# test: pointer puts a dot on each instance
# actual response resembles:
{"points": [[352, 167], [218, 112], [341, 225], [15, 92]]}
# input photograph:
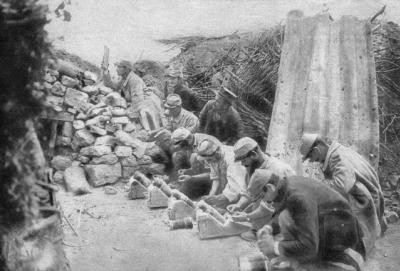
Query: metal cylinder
{"points": [[185, 223]]}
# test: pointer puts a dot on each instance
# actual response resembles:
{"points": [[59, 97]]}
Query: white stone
{"points": [[60, 162], [83, 138], [95, 150], [58, 89], [75, 180], [78, 124], [91, 90], [129, 161], [103, 174], [114, 99], [76, 98], [97, 130], [123, 151], [106, 140], [108, 159], [105, 90], [69, 82], [120, 120], [118, 111]]}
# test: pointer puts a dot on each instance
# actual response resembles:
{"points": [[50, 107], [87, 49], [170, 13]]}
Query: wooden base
{"points": [[157, 198], [138, 191], [210, 226], [179, 209]]}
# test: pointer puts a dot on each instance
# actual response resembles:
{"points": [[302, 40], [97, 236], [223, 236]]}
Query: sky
{"points": [[130, 27]]}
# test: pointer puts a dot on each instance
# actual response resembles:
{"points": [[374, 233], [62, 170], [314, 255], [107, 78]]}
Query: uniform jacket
{"points": [[185, 119], [226, 126], [349, 173], [323, 222]]}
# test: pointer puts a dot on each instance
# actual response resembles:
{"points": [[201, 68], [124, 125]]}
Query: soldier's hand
{"points": [[233, 208], [240, 217], [266, 241]]}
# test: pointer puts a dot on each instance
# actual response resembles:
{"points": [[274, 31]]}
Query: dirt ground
{"points": [[120, 234]]}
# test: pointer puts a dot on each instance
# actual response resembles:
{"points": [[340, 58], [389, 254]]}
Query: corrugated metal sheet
{"points": [[326, 85]]}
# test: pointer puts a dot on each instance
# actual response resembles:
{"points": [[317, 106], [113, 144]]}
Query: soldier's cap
{"points": [[207, 148], [306, 143], [226, 93], [179, 135], [242, 147], [173, 100], [259, 180], [124, 63]]}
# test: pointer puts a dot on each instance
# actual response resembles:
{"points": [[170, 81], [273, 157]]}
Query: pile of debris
{"points": [[96, 142]]}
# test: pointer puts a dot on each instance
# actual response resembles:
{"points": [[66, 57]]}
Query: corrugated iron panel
{"points": [[326, 85]]}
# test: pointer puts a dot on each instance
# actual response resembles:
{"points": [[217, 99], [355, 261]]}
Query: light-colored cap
{"points": [[307, 141], [207, 148], [259, 179], [173, 100], [243, 146], [124, 63], [179, 135]]}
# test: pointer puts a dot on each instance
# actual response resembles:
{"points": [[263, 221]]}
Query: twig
{"points": [[79, 216], [378, 13], [68, 245], [70, 225]]}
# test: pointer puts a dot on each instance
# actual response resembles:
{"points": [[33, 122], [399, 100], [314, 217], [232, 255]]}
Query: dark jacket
{"points": [[324, 225], [225, 125], [190, 100]]}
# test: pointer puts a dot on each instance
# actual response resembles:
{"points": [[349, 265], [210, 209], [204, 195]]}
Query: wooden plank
{"points": [[326, 85], [59, 116]]}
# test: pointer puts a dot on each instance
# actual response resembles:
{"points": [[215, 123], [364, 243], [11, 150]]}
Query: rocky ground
{"points": [[114, 233]]}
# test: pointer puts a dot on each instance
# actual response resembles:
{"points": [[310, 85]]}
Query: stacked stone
{"points": [[98, 135]]}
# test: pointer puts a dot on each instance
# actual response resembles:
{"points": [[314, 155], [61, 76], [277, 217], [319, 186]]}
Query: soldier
{"points": [[249, 153], [352, 175], [220, 119], [177, 116]]}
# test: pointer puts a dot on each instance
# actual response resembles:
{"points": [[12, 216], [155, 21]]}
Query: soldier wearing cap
{"points": [[319, 231], [177, 116], [227, 177], [175, 84], [131, 86], [220, 119], [249, 153], [352, 175], [195, 181]]}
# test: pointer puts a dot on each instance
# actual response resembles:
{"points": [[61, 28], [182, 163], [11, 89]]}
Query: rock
{"points": [[78, 124], [81, 116], [63, 141], [106, 140], [95, 150], [97, 109], [109, 190], [145, 160], [114, 99], [128, 172], [130, 127], [58, 177], [103, 174], [90, 76], [69, 82], [154, 168], [72, 110], [97, 121], [108, 159], [111, 127], [118, 111], [49, 78], [126, 139], [120, 120], [391, 217], [393, 180], [58, 89], [142, 135], [55, 101], [74, 156], [123, 151], [53, 72], [105, 90], [83, 159], [47, 86], [97, 130], [67, 129], [90, 90], [61, 162], [83, 138], [75, 180], [129, 162], [76, 99]]}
